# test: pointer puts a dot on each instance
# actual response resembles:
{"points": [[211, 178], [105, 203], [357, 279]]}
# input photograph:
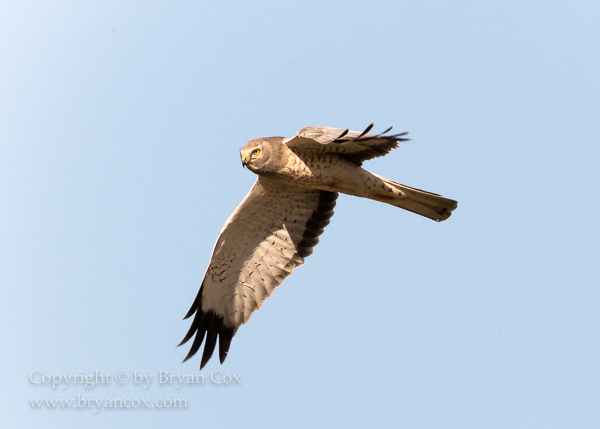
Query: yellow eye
{"points": [[255, 151]]}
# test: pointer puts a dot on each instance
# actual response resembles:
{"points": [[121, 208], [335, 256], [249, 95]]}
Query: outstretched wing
{"points": [[353, 145], [269, 234]]}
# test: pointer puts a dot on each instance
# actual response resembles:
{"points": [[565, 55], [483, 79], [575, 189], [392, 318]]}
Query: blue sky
{"points": [[120, 125]]}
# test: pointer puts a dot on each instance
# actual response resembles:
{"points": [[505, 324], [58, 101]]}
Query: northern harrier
{"points": [[280, 220]]}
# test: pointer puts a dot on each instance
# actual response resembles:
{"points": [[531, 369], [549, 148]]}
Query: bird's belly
{"points": [[353, 183], [328, 173]]}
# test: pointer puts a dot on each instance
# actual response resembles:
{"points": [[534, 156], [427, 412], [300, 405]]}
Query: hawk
{"points": [[279, 222]]}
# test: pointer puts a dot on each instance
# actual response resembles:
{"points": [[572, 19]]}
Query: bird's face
{"points": [[255, 155]]}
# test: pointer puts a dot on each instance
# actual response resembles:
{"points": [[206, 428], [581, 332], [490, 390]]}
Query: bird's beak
{"points": [[244, 160]]}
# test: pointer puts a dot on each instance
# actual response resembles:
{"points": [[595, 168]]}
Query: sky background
{"points": [[120, 126]]}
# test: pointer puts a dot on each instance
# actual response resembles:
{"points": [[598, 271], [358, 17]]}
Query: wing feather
{"points": [[353, 145], [270, 233]]}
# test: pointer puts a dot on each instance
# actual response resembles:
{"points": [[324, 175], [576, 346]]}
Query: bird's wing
{"points": [[353, 145], [268, 235]]}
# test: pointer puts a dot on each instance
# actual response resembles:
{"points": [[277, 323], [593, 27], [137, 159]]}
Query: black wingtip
{"points": [[211, 341], [196, 344], [225, 336], [210, 325], [387, 131], [365, 131], [346, 131], [195, 305], [194, 327], [187, 337], [405, 133]]}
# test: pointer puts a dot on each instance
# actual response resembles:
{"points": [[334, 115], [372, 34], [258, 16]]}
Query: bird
{"points": [[278, 223]]}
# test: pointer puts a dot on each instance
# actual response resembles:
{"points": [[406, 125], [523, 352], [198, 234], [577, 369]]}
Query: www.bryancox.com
{"points": [[95, 403]]}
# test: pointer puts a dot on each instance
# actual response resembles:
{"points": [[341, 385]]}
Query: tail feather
{"points": [[430, 205]]}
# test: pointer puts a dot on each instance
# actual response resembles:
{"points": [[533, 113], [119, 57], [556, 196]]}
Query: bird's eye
{"points": [[255, 151]]}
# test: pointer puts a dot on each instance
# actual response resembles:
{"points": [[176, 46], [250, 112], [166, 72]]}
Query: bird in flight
{"points": [[279, 222]]}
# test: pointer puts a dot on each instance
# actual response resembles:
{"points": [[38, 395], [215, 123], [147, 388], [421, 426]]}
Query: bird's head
{"points": [[260, 155]]}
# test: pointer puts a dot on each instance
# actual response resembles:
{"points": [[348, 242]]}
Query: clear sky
{"points": [[120, 125]]}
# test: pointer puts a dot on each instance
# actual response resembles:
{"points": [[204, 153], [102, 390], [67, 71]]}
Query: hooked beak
{"points": [[244, 160]]}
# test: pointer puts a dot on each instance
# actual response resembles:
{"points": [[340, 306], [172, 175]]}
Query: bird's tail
{"points": [[432, 206]]}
